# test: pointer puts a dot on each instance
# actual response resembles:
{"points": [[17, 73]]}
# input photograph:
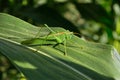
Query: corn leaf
{"points": [[84, 60]]}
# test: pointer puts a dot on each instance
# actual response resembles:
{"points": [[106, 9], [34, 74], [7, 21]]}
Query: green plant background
{"points": [[95, 20]]}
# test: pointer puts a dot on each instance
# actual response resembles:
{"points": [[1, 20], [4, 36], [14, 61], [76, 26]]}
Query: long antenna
{"points": [[49, 28]]}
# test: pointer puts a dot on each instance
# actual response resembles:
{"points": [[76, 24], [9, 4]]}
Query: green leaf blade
{"points": [[84, 60]]}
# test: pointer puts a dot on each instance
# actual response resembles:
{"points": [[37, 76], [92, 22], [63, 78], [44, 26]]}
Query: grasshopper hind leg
{"points": [[65, 53], [64, 44]]}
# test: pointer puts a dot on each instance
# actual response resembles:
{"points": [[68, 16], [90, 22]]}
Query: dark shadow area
{"points": [[49, 16]]}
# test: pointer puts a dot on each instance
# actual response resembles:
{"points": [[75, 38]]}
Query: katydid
{"points": [[56, 37]]}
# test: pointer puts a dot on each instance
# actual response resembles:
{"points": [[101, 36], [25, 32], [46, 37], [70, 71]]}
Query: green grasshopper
{"points": [[52, 38]]}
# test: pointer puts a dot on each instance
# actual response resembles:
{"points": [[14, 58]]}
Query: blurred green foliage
{"points": [[95, 20]]}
